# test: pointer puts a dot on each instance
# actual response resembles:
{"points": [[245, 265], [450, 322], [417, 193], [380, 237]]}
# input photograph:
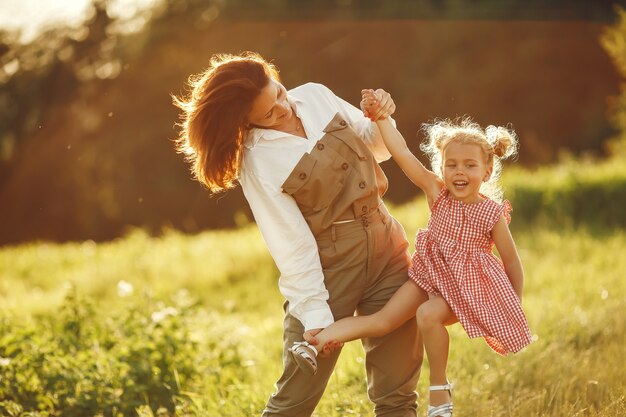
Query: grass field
{"points": [[202, 314]]}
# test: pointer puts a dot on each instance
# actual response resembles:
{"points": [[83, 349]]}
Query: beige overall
{"points": [[363, 251]]}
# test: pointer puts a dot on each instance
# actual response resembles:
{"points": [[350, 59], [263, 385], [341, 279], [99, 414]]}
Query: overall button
{"points": [[364, 209], [344, 166], [343, 123], [362, 184], [320, 146], [302, 176]]}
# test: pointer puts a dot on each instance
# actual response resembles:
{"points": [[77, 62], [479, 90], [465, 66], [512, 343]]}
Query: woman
{"points": [[308, 165]]}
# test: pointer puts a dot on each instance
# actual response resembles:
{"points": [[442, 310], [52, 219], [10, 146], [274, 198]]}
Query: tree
{"points": [[614, 42]]}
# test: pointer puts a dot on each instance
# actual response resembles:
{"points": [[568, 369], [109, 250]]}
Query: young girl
{"points": [[454, 274]]}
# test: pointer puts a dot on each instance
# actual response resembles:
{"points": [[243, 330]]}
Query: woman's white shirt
{"points": [[269, 157]]}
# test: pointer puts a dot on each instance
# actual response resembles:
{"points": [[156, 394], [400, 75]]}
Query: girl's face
{"points": [[270, 109], [464, 170]]}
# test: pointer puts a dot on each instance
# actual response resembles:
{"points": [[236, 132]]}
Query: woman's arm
{"points": [[293, 248], [508, 253]]}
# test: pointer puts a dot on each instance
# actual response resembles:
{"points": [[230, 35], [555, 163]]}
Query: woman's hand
{"points": [[309, 336], [377, 104], [329, 348]]}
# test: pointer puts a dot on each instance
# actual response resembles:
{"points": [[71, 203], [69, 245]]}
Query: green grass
{"points": [[223, 286], [35, 276]]}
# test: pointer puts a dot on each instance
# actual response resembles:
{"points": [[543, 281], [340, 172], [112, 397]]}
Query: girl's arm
{"points": [[425, 179], [508, 253]]}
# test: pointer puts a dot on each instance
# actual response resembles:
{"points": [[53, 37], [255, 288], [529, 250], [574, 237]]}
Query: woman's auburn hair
{"points": [[214, 115]]}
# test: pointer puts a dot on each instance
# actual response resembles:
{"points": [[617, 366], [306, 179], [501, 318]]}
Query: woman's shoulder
{"points": [[318, 102], [311, 91], [310, 87]]}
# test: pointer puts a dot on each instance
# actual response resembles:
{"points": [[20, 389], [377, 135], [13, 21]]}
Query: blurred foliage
{"points": [[614, 42], [573, 194], [420, 9], [69, 166], [86, 121]]}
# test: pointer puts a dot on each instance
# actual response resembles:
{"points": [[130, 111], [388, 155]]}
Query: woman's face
{"points": [[270, 109]]}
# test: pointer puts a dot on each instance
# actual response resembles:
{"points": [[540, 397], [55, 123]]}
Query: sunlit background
{"points": [[86, 121]]}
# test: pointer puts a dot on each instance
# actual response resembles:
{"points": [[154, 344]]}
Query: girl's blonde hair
{"points": [[496, 142]]}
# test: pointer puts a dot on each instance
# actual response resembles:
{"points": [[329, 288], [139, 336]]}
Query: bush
{"points": [[79, 363], [571, 194]]}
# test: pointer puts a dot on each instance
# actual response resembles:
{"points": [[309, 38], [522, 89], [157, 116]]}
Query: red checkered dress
{"points": [[454, 258]]}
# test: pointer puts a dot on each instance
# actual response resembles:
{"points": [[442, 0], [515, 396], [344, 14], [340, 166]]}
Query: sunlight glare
{"points": [[30, 17]]}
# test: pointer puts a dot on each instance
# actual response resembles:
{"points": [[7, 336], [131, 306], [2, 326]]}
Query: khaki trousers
{"points": [[365, 262]]}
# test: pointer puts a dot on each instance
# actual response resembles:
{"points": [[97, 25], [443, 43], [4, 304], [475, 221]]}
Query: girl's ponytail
{"points": [[503, 141]]}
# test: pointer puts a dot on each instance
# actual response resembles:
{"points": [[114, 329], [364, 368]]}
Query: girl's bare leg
{"points": [[432, 317], [400, 308]]}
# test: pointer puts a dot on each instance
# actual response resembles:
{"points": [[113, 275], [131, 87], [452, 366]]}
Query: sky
{"points": [[31, 16]]}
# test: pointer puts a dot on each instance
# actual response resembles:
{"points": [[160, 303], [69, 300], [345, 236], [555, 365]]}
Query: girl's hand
{"points": [[369, 102], [377, 105]]}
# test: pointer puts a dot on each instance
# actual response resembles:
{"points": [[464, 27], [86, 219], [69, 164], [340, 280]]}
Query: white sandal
{"points": [[443, 410], [305, 356]]}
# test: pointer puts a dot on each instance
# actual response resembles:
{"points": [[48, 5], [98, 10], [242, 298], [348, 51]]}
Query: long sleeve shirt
{"points": [[269, 157]]}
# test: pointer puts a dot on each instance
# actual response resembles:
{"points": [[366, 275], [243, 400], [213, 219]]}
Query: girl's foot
{"points": [[305, 356], [442, 410]]}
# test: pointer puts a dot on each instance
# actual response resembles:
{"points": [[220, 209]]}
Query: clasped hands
{"points": [[377, 105]]}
